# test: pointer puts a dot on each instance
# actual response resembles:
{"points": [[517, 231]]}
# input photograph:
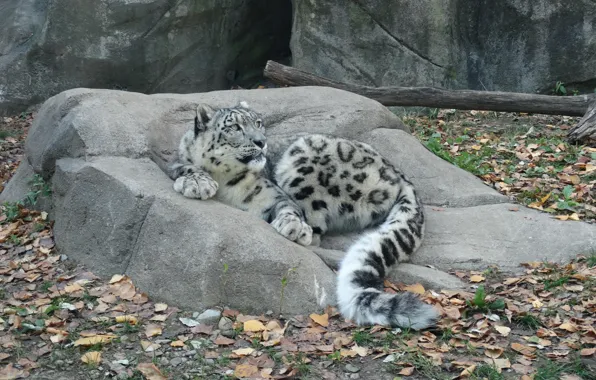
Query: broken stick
{"points": [[439, 98]]}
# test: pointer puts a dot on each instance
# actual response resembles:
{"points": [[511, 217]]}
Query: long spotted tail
{"points": [[360, 279]]}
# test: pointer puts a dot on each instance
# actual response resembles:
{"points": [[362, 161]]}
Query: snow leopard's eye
{"points": [[259, 124], [237, 127]]}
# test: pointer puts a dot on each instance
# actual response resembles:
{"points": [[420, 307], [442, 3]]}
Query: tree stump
{"points": [[586, 128]]}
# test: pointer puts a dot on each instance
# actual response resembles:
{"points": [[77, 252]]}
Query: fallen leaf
{"points": [[588, 351], [130, 319], [322, 320], [253, 325], [407, 371], [10, 373], [568, 327], [94, 339], [467, 372], [503, 330], [117, 278], [223, 341], [493, 352], [415, 288], [524, 350], [150, 371], [361, 351], [91, 357], [149, 346], [245, 371], [159, 307], [189, 322], [477, 278], [152, 330], [244, 351], [177, 343]]}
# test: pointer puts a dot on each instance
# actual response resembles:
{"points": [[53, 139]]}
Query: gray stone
{"points": [[437, 181], [139, 45], [511, 45], [116, 212], [177, 361], [225, 324], [209, 317], [351, 368]]}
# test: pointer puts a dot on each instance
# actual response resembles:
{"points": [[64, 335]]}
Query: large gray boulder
{"points": [[141, 45], [509, 45], [105, 152]]}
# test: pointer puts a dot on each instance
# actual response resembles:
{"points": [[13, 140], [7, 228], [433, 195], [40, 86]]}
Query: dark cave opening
{"points": [[273, 43]]}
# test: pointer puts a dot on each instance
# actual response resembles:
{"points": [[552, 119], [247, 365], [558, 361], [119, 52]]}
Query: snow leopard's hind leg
{"points": [[361, 273]]}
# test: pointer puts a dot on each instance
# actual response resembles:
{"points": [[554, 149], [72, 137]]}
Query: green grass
{"points": [[550, 370], [592, 260], [362, 338], [487, 372], [550, 283], [529, 321]]}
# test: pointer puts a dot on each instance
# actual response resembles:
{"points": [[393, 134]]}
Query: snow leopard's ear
{"points": [[243, 104], [203, 116]]}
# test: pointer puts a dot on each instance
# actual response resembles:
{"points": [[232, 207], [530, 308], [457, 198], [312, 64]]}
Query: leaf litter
{"points": [[517, 326]]}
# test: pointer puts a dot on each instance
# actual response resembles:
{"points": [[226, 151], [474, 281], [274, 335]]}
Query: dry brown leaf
{"points": [[159, 307], [177, 343], [244, 351], [503, 330], [467, 372], [130, 319], [493, 352], [117, 278], [322, 320], [253, 325], [9, 373], [149, 346], [415, 288], [568, 327], [245, 371], [407, 371], [91, 357], [94, 339], [152, 330], [588, 351], [477, 278], [150, 371], [361, 351], [223, 341], [574, 288], [524, 350]]}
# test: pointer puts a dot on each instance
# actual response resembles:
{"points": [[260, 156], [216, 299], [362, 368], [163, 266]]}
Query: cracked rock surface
{"points": [[511, 45], [115, 210]]}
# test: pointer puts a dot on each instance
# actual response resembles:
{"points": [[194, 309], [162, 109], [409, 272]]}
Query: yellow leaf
{"points": [[467, 372], [476, 147], [568, 327], [415, 288], [160, 307], [91, 357], [562, 217], [150, 371], [574, 216], [477, 278], [544, 199], [254, 325], [131, 319], [148, 346], [408, 371], [537, 304], [72, 288], [361, 351], [244, 351], [525, 350], [322, 320], [503, 330], [493, 352], [152, 330], [116, 278], [94, 339], [245, 371], [177, 343]]}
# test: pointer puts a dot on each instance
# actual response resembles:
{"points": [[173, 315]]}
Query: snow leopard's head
{"points": [[235, 136]]}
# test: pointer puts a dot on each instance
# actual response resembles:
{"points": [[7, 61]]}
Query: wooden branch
{"points": [[586, 128], [439, 98]]}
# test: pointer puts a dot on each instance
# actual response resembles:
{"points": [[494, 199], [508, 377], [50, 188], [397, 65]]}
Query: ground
{"points": [[59, 321]]}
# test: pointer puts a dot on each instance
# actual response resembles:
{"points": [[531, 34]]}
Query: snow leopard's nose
{"points": [[259, 142]]}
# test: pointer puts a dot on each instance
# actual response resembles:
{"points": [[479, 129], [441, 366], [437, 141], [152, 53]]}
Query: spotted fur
{"points": [[320, 184]]}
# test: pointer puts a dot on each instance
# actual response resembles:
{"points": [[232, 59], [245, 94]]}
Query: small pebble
{"points": [[352, 368], [209, 317]]}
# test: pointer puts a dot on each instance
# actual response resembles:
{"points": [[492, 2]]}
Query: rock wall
{"points": [[509, 45], [137, 45]]}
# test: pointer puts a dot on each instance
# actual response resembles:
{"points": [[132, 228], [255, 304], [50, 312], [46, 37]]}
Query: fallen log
{"points": [[586, 128], [439, 98]]}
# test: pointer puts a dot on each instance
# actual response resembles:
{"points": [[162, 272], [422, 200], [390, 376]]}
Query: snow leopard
{"points": [[320, 184]]}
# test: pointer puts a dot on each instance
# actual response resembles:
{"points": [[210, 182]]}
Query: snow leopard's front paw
{"points": [[293, 228], [196, 185]]}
